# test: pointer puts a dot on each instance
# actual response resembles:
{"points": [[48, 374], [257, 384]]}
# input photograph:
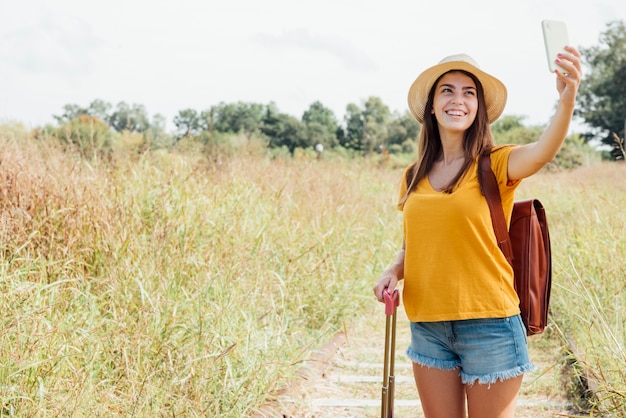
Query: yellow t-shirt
{"points": [[453, 268]]}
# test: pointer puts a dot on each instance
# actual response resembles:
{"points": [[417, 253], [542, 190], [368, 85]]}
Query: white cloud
{"points": [[52, 44], [192, 53], [349, 55]]}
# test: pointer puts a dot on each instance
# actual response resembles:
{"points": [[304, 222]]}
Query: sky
{"points": [[174, 55]]}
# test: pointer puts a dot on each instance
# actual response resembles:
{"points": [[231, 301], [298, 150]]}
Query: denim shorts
{"points": [[484, 350]]}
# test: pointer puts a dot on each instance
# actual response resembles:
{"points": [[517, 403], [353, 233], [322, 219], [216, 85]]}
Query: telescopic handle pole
{"points": [[392, 300]]}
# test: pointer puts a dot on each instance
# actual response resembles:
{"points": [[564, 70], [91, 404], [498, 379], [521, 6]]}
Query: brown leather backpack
{"points": [[526, 245]]}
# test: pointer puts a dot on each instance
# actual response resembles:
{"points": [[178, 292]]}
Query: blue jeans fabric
{"points": [[484, 350]]}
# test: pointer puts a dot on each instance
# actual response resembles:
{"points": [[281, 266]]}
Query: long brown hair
{"points": [[476, 140]]}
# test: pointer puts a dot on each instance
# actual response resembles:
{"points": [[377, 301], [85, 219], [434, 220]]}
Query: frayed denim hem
{"points": [[469, 379], [431, 363]]}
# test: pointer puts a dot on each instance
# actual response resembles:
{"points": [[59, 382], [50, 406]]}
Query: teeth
{"points": [[455, 113]]}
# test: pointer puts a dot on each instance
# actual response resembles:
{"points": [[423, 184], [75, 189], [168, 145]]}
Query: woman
{"points": [[468, 343]]}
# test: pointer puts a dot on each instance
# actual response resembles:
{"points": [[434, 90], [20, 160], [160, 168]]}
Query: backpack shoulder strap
{"points": [[489, 188]]}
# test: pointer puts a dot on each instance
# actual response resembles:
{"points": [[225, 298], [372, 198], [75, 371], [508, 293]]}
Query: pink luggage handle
{"points": [[391, 300]]}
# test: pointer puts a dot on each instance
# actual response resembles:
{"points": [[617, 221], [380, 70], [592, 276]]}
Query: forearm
{"points": [[551, 140], [397, 267], [526, 160], [390, 277]]}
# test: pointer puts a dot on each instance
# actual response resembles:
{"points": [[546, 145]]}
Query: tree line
{"points": [[365, 128]]}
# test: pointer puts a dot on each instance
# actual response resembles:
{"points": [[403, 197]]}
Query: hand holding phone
{"points": [[555, 38]]}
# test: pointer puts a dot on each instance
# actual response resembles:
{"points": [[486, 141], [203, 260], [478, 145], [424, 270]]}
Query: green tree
{"points": [[602, 93], [187, 123], [100, 109], [97, 108], [377, 117], [70, 112], [129, 118], [88, 134], [206, 121], [283, 130], [367, 127], [321, 125], [507, 123], [156, 134], [402, 133], [355, 124], [239, 117], [573, 153], [510, 130]]}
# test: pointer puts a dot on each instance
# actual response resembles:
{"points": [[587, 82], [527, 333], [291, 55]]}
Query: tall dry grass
{"points": [[588, 231], [165, 285], [169, 283]]}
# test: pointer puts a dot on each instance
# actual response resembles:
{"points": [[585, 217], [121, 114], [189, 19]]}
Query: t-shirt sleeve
{"points": [[499, 165], [403, 188]]}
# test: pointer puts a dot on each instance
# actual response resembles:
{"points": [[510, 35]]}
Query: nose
{"points": [[457, 98]]}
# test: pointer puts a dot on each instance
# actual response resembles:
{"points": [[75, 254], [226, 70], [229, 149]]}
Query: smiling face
{"points": [[455, 102]]}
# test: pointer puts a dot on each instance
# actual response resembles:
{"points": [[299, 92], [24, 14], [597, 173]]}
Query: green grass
{"points": [[168, 283]]}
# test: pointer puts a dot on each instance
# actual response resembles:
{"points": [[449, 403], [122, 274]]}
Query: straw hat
{"points": [[494, 89]]}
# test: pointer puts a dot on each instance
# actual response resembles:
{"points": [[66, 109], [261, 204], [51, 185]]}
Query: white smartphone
{"points": [[555, 38]]}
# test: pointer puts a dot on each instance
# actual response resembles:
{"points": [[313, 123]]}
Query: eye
{"points": [[470, 92]]}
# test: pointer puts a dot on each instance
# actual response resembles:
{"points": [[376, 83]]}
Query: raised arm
{"points": [[526, 160]]}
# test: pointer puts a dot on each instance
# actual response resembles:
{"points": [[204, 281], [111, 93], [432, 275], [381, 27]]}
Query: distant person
{"points": [[468, 342]]}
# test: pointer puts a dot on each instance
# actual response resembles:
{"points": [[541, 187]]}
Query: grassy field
{"points": [[168, 283], [588, 231]]}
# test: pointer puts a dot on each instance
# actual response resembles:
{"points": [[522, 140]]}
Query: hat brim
{"points": [[494, 90]]}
